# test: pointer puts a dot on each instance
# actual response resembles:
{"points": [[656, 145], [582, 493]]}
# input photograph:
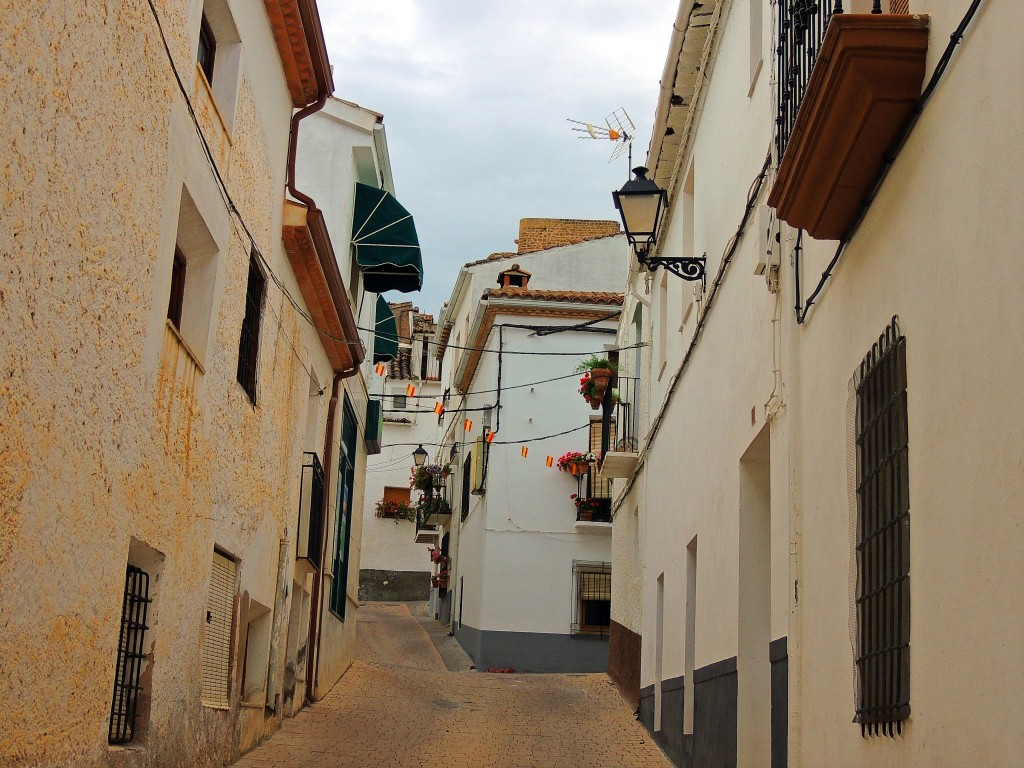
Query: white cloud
{"points": [[475, 97]]}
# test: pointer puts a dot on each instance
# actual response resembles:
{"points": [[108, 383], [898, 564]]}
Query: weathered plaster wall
{"points": [[110, 431]]}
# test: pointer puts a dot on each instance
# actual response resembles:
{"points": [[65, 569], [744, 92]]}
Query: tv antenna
{"points": [[620, 130]]}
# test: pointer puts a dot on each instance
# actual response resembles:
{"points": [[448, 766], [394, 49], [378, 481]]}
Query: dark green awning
{"points": [[385, 333], [387, 247]]}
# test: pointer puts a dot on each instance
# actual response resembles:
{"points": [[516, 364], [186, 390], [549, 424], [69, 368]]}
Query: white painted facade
{"points": [[739, 512], [512, 556]]}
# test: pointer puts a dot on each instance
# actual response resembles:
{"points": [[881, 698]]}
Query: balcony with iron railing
{"points": [[847, 84], [620, 433]]}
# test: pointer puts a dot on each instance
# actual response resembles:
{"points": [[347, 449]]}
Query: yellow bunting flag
{"points": [[525, 451], [438, 408], [549, 461], [410, 390], [490, 436], [467, 426], [380, 368]]}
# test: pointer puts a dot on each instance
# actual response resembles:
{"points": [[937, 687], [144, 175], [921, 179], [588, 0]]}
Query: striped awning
{"points": [[386, 245]]}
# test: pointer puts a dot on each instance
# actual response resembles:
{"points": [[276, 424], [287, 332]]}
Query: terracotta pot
{"points": [[586, 514], [581, 468]]}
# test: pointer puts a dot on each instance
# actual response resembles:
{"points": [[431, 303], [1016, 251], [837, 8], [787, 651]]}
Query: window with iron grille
{"points": [[249, 339], [130, 656], [467, 470], [883, 537], [592, 598]]}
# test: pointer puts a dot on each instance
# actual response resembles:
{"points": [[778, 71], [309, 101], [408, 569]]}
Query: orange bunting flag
{"points": [[438, 408], [380, 368], [467, 426], [490, 436], [549, 461], [525, 451], [410, 391]]}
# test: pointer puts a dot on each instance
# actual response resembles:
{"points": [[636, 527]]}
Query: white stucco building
{"points": [[395, 566], [812, 555], [529, 582]]}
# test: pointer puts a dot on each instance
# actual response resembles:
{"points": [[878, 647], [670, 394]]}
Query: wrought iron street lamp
{"points": [[419, 456], [641, 204]]}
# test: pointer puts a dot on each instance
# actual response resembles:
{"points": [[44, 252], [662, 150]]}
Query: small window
{"points": [[398, 402], [395, 504], [207, 50], [592, 603], [177, 288], [218, 620], [249, 340], [883, 538], [130, 656]]}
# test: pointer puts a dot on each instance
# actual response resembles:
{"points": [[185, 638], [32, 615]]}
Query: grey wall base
{"points": [[713, 741], [715, 694], [533, 651], [393, 586]]}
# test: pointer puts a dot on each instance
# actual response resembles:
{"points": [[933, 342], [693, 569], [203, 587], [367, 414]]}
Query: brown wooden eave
{"points": [[301, 46], [312, 260]]}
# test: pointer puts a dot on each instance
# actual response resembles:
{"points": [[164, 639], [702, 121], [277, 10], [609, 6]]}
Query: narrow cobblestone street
{"points": [[405, 704]]}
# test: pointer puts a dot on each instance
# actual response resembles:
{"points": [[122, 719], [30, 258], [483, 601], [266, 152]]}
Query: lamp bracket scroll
{"points": [[690, 268]]}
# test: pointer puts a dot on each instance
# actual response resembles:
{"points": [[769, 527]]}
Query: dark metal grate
{"points": [[592, 585], [802, 25], [124, 706], [207, 52], [883, 538], [249, 339], [177, 298]]}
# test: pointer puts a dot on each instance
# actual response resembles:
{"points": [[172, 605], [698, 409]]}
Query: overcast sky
{"points": [[475, 96]]}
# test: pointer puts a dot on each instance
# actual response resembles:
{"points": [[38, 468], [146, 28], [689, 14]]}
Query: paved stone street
{"points": [[401, 705]]}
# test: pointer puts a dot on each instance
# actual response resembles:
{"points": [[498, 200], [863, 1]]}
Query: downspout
{"points": [[315, 617]]}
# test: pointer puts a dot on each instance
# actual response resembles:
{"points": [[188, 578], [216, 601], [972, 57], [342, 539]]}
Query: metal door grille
{"points": [[883, 538], [130, 646]]}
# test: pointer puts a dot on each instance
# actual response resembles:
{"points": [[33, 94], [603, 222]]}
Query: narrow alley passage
{"points": [[410, 702]]}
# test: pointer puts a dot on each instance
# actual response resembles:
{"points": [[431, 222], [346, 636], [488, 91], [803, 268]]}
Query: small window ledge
{"points": [[592, 526]]}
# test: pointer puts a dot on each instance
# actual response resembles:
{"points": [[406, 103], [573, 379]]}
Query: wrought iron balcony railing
{"points": [[802, 25]]}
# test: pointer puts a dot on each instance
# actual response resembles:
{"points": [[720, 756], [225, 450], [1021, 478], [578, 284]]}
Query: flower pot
{"points": [[581, 468], [586, 514], [595, 403]]}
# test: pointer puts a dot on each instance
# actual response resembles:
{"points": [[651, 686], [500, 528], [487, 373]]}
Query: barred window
{"points": [[883, 538], [592, 603], [130, 656]]}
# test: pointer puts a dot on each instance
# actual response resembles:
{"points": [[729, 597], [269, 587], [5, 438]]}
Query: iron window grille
{"points": [[467, 469], [883, 537], [249, 339], [592, 603], [130, 647], [311, 509]]}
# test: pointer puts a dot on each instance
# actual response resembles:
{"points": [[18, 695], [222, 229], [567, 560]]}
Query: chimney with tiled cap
{"points": [[514, 277]]}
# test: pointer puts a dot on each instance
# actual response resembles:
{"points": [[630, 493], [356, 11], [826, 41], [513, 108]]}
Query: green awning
{"points": [[385, 333], [386, 244]]}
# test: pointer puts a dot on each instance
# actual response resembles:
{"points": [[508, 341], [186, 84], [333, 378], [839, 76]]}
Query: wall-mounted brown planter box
{"points": [[863, 86]]}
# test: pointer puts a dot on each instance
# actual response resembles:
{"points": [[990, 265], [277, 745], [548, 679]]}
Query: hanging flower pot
{"points": [[582, 467]]}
